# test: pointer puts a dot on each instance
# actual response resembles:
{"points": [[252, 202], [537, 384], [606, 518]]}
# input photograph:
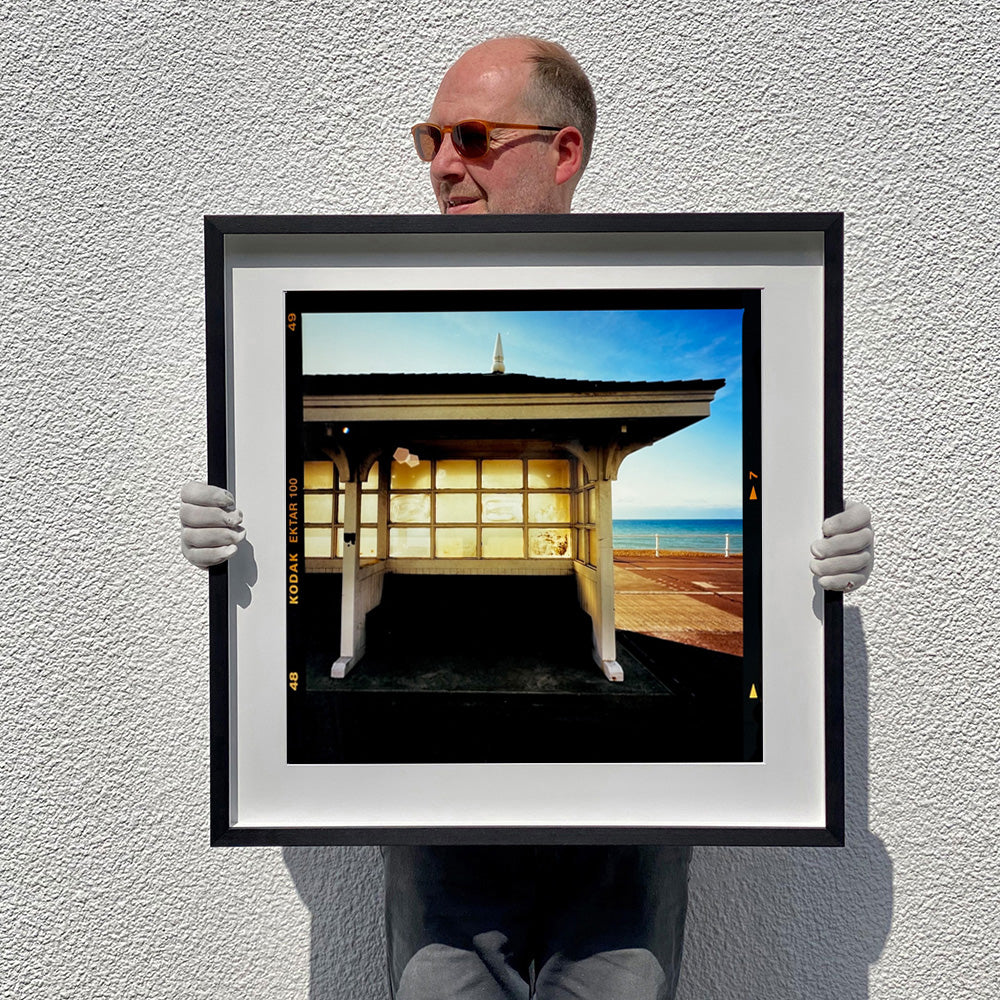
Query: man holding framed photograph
{"points": [[510, 132]]}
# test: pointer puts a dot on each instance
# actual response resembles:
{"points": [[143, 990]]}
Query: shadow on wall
{"points": [[342, 887], [780, 923], [787, 923]]}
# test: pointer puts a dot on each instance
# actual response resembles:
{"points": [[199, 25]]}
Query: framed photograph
{"points": [[528, 504]]}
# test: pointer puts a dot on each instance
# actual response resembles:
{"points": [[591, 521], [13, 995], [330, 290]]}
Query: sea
{"points": [[706, 535]]}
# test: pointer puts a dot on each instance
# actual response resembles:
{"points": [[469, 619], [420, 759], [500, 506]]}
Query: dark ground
{"points": [[477, 669]]}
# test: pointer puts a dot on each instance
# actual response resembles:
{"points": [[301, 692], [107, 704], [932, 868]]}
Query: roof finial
{"points": [[498, 366]]}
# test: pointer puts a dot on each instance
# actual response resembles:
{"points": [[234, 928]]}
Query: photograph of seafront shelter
{"points": [[522, 529]]}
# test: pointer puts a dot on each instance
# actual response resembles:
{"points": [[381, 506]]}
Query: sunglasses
{"points": [[471, 138]]}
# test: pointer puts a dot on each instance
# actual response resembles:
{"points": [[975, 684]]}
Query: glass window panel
{"points": [[590, 506], [455, 543], [317, 476], [548, 473], [318, 541], [592, 547], [319, 507], [369, 508], [503, 507], [581, 545], [548, 543], [369, 542], [454, 474], [410, 507], [405, 478], [548, 507], [455, 507], [503, 543], [413, 543], [371, 483], [503, 474]]}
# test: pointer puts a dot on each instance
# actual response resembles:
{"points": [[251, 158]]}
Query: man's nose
{"points": [[447, 163]]}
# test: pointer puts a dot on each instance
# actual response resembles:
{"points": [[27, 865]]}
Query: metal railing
{"points": [[641, 541]]}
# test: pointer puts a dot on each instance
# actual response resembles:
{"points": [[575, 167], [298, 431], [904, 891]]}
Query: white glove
{"points": [[845, 554], [211, 526]]}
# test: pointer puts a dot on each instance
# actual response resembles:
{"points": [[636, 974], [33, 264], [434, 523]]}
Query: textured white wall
{"points": [[123, 123]]}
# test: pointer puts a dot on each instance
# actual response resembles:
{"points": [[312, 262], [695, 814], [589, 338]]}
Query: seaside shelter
{"points": [[498, 473]]}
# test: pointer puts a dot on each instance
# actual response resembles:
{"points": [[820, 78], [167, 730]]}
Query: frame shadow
{"points": [[779, 922]]}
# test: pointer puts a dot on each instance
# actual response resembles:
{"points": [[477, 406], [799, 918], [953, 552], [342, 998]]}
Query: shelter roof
{"points": [[471, 383]]}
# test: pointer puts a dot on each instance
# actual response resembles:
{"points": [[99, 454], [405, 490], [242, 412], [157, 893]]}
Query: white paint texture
{"points": [[123, 123]]}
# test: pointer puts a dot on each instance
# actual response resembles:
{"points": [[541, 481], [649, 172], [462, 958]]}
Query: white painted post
{"points": [[352, 631], [604, 628], [727, 546], [657, 537]]}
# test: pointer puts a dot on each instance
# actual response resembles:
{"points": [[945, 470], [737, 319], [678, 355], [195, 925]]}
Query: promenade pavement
{"points": [[696, 599]]}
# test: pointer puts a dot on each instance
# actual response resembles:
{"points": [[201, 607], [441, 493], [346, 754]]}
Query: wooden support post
{"points": [[352, 618], [382, 543], [605, 651]]}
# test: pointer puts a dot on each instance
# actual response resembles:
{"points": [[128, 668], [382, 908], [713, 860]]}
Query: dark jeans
{"points": [[555, 923]]}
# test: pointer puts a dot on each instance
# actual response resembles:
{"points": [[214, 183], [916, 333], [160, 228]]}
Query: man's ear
{"points": [[568, 146]]}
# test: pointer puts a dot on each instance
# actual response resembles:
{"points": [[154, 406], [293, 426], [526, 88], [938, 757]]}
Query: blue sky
{"points": [[694, 473]]}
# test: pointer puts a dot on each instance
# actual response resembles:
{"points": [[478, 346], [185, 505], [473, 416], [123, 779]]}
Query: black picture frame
{"points": [[320, 246]]}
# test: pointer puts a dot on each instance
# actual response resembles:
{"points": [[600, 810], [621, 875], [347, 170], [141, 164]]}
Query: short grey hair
{"points": [[560, 93]]}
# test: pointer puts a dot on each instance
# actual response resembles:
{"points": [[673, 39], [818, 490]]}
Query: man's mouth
{"points": [[456, 204]]}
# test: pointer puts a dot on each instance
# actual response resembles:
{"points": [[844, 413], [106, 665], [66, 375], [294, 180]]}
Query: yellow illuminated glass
{"points": [[592, 547], [369, 508], [590, 506], [455, 507], [369, 542], [403, 477], [548, 543], [548, 506], [413, 543], [455, 474], [371, 483], [319, 507], [500, 474], [317, 542], [410, 507], [503, 543], [503, 507], [317, 475], [548, 473], [455, 543]]}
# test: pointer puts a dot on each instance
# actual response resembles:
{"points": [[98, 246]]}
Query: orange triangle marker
{"points": [[753, 691], [753, 493]]}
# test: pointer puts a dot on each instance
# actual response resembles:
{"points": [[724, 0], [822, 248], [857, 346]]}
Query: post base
{"points": [[342, 665], [612, 670]]}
